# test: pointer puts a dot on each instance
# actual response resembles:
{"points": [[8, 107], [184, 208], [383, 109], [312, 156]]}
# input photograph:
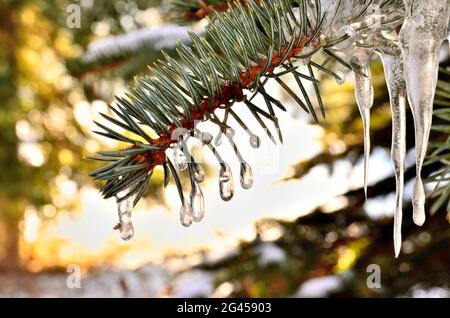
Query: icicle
{"points": [[179, 158], [395, 80], [199, 173], [226, 185], [364, 98], [186, 215], [421, 37], [197, 202], [124, 209], [255, 141], [246, 176]]}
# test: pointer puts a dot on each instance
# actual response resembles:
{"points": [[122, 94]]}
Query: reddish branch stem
{"points": [[206, 9]]}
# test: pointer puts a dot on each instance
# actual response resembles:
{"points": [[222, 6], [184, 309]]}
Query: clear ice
{"points": [[186, 214], [359, 61], [395, 81], [226, 185], [197, 202], [179, 158], [246, 176], [421, 37], [411, 61], [124, 209]]}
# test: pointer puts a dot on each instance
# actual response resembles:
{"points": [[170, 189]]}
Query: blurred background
{"points": [[303, 230]]}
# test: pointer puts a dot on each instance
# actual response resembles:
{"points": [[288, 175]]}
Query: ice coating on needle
{"points": [[186, 214], [179, 158], [226, 186], [422, 34], [124, 209], [364, 98], [197, 202], [395, 81]]}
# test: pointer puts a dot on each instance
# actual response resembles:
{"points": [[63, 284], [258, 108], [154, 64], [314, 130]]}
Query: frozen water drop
{"points": [[229, 132], [218, 140], [226, 185], [199, 173], [179, 158], [186, 215], [255, 141], [246, 176], [197, 203], [124, 209], [418, 202], [206, 138]]}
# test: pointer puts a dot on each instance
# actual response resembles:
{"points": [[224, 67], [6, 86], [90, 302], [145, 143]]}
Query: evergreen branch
{"points": [[185, 11], [242, 49], [440, 150], [115, 51]]}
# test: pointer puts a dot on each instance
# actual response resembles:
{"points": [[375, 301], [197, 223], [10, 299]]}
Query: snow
{"points": [[319, 287], [269, 253]]}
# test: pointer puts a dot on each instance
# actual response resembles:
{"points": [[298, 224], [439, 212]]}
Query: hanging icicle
{"points": [[421, 37], [395, 81], [364, 98]]}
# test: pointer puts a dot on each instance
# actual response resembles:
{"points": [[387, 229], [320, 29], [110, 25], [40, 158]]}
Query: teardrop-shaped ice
{"points": [[226, 184], [199, 173], [186, 215], [395, 80], [179, 158], [197, 202], [124, 209], [246, 176], [206, 138], [364, 98], [421, 37], [218, 139], [255, 141]]}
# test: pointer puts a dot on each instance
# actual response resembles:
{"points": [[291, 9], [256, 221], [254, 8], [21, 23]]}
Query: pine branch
{"points": [[118, 50], [185, 11], [243, 49], [440, 150]]}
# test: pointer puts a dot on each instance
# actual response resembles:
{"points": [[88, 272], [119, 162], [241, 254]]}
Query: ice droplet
{"points": [[186, 215], [124, 209], [197, 203], [421, 36], [255, 141], [246, 176], [199, 173], [206, 138], [364, 98], [218, 140], [226, 185], [179, 158], [395, 80]]}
